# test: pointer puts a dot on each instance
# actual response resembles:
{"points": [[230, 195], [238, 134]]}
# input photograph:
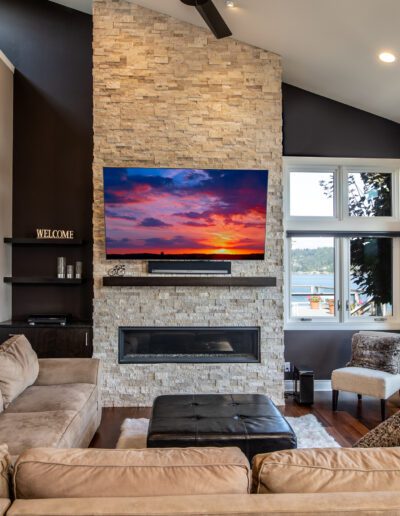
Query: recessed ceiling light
{"points": [[230, 3], [387, 57]]}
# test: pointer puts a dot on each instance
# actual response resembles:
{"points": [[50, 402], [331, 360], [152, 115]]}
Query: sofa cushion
{"points": [[365, 381], [71, 396], [19, 367], [376, 352], [327, 470], [75, 436], [5, 465], [30, 429], [57, 371], [4, 506], [56, 473]]}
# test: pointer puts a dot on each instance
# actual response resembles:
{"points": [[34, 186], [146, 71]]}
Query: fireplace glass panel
{"points": [[157, 345]]}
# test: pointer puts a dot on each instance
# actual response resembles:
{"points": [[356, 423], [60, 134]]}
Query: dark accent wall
{"points": [[51, 48], [323, 351], [317, 126]]}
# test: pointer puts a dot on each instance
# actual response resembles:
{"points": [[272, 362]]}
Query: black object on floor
{"points": [[303, 385], [249, 421]]}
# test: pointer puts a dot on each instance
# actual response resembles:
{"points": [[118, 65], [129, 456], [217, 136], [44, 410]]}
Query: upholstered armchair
{"points": [[365, 380]]}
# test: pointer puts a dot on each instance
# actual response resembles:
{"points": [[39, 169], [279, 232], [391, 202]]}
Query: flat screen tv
{"points": [[159, 213]]}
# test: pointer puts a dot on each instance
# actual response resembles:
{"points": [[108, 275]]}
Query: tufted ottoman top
{"points": [[249, 421]]}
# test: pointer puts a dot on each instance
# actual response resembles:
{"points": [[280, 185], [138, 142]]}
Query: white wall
{"points": [[6, 152]]}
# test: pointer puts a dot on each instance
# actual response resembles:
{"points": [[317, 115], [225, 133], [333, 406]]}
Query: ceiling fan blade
{"points": [[211, 16], [214, 20]]}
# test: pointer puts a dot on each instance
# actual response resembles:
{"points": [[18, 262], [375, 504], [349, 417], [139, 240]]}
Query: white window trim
{"points": [[342, 222]]}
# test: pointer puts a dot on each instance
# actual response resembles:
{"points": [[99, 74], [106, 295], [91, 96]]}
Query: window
{"points": [[312, 277], [319, 187], [370, 278], [342, 223], [369, 194]]}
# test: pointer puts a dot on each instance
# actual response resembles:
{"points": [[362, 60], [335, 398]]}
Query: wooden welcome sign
{"points": [[60, 234]]}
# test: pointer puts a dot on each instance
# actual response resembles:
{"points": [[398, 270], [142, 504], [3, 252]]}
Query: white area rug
{"points": [[133, 433], [310, 433]]}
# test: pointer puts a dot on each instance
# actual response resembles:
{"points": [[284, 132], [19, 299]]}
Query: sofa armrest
{"points": [[57, 371]]}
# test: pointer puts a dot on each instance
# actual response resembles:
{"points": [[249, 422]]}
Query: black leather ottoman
{"points": [[250, 421]]}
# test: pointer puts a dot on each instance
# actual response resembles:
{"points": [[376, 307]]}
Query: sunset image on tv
{"points": [[185, 213]]}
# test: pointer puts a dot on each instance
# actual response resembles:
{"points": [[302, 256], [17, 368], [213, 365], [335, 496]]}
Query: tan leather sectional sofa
{"points": [[61, 409], [52, 409], [203, 481]]}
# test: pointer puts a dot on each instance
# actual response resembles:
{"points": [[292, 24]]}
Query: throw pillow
{"points": [[375, 352], [19, 367], [385, 435]]}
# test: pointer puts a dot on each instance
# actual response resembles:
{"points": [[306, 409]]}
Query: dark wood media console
{"points": [[74, 340]]}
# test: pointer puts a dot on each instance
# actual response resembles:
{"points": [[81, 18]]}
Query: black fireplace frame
{"points": [[253, 358]]}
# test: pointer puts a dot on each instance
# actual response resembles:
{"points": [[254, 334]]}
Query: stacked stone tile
{"points": [[168, 94]]}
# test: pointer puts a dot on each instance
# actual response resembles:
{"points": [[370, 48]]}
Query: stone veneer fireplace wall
{"points": [[168, 94]]}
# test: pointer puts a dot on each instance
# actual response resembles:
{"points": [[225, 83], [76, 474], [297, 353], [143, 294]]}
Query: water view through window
{"points": [[312, 285], [312, 277]]}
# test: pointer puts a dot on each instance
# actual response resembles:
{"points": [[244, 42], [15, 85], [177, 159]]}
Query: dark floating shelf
{"points": [[44, 241], [199, 281], [24, 324], [42, 281]]}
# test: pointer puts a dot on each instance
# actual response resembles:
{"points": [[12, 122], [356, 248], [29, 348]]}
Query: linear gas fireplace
{"points": [[144, 345]]}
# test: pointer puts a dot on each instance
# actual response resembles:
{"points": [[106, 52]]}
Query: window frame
{"points": [[342, 222]]}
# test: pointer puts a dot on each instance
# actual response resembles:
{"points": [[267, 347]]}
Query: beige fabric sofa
{"points": [[206, 481], [61, 409]]}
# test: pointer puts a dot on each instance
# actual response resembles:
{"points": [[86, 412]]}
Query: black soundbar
{"points": [[192, 267]]}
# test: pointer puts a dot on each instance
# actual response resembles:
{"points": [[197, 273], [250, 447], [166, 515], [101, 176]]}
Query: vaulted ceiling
{"points": [[329, 47]]}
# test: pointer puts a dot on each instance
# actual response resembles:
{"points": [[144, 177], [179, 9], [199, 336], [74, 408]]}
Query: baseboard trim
{"points": [[319, 385]]}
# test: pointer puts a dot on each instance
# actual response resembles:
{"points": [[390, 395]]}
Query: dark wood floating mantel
{"points": [[198, 281]]}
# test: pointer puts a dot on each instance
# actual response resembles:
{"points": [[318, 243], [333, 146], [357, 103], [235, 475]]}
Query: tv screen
{"points": [[160, 213]]}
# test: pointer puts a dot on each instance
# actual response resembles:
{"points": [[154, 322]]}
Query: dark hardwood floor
{"points": [[347, 425]]}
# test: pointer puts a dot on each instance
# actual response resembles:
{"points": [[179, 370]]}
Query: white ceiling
{"points": [[328, 47]]}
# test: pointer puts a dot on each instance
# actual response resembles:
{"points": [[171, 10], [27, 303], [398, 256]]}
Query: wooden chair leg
{"points": [[335, 398], [359, 396], [383, 409]]}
